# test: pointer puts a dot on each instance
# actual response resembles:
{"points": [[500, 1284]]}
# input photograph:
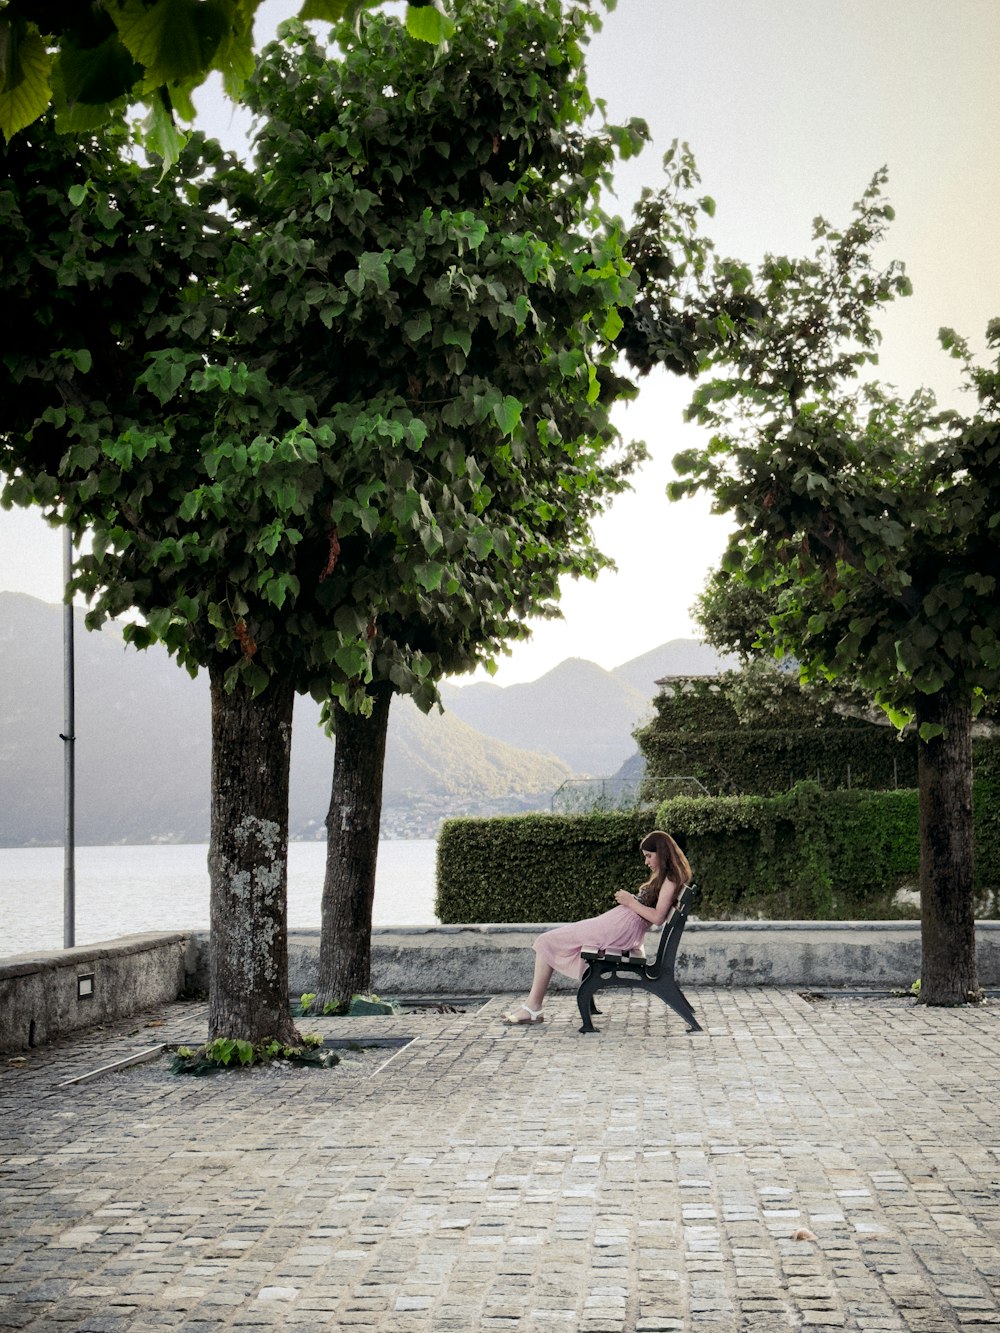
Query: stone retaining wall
{"points": [[44, 995], [492, 959]]}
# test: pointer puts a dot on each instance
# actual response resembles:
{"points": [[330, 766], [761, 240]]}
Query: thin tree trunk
{"points": [[947, 912], [352, 827], [248, 862]]}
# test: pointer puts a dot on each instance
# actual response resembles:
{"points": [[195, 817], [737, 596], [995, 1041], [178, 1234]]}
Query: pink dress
{"points": [[621, 928]]}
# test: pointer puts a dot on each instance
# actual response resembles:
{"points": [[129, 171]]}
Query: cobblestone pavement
{"points": [[486, 1178]]}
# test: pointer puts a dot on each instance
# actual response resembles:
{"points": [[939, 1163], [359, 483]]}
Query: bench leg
{"points": [[585, 999], [672, 995]]}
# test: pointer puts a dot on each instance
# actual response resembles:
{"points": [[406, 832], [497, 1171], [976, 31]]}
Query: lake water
{"points": [[128, 890]]}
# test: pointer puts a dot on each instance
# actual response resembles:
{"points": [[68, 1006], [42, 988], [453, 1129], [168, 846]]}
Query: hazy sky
{"points": [[790, 106]]}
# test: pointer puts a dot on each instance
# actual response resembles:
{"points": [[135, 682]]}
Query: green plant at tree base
{"points": [[306, 1005], [358, 1004], [911, 992], [229, 1053]]}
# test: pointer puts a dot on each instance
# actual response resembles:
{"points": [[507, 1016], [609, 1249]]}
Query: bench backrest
{"points": [[673, 928]]}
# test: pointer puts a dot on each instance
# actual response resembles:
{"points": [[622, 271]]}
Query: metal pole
{"points": [[68, 737]]}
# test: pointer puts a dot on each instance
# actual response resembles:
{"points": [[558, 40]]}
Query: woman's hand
{"points": [[625, 899]]}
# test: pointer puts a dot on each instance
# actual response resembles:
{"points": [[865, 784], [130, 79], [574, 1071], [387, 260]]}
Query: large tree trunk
{"points": [[248, 862], [947, 912], [352, 828]]}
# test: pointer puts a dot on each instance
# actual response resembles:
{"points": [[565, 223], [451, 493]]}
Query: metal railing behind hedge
{"points": [[579, 796]]}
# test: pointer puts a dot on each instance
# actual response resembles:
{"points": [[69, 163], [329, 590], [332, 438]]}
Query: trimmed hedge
{"points": [[698, 732], [806, 855], [764, 762], [986, 808], [537, 867]]}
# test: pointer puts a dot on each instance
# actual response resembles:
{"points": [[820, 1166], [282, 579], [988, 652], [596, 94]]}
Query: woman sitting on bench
{"points": [[623, 927]]}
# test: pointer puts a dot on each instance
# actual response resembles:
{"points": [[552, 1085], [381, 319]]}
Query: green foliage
{"points": [[767, 762], [358, 424], [699, 732], [358, 1004], [92, 61], [735, 740], [450, 204], [228, 1053], [864, 520], [689, 302], [348, 412]]}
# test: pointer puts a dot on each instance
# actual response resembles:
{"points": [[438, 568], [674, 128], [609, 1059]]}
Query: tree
{"points": [[91, 61], [248, 492], [130, 408], [868, 519], [445, 221]]}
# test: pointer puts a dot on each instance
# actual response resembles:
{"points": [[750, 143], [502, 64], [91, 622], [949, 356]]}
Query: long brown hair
{"points": [[673, 866]]}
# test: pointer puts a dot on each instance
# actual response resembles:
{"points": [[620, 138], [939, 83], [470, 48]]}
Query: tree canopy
{"points": [[91, 61]]}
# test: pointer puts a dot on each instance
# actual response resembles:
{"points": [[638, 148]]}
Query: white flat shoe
{"points": [[534, 1016]]}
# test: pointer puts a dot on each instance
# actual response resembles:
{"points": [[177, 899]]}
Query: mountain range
{"points": [[142, 750]]}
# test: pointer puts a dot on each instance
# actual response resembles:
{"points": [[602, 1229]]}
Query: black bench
{"points": [[607, 967]]}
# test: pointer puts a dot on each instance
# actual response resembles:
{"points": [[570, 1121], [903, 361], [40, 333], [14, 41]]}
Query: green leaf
{"points": [[458, 338], [405, 260], [330, 11], [481, 543], [508, 414], [173, 39], [405, 506], [120, 452], [278, 588], [613, 325], [416, 328], [352, 659], [428, 24], [429, 576], [165, 375], [255, 677], [161, 133], [26, 91], [96, 75]]}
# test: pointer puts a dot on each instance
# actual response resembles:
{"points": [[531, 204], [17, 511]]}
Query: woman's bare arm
{"points": [[654, 915]]}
